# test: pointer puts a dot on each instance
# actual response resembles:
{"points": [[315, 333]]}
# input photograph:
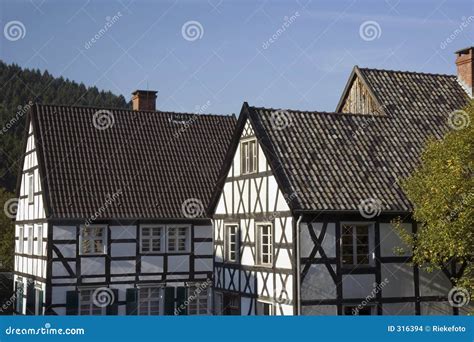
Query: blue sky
{"points": [[304, 67]]}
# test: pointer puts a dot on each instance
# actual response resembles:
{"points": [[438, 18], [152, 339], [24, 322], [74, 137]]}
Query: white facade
{"points": [[247, 200]]}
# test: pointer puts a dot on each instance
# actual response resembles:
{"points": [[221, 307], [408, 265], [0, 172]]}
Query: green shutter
{"points": [[131, 297], [39, 301], [169, 300], [180, 301], [30, 298], [72, 303], [112, 309]]}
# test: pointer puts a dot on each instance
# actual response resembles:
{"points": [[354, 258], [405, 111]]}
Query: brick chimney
{"points": [[144, 100], [465, 64]]}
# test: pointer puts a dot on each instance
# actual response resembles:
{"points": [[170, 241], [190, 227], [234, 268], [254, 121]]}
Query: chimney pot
{"points": [[465, 66], [144, 100]]}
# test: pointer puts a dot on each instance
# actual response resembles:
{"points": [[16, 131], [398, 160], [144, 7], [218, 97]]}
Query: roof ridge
{"points": [[407, 72], [131, 110], [316, 112]]}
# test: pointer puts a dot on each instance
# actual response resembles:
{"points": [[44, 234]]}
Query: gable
{"points": [[30, 208], [359, 99], [257, 193]]}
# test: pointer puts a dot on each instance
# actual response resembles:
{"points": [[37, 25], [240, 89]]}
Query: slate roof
{"points": [[146, 165], [334, 161]]}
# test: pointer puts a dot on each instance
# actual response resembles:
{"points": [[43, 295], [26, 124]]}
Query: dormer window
{"points": [[248, 156]]}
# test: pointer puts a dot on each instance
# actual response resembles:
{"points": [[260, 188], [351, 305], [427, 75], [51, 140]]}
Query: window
{"points": [[231, 242], [231, 304], [355, 244], [21, 240], [19, 297], [39, 242], [264, 244], [356, 311], [264, 308], [150, 239], [31, 188], [248, 156], [93, 240], [198, 299], [30, 240], [86, 304], [178, 238], [149, 301]]}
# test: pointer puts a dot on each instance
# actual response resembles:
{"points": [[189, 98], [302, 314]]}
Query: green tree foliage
{"points": [[20, 86], [442, 192], [7, 232]]}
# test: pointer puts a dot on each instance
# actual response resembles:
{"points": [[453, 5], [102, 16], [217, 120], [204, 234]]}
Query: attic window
{"points": [[248, 156], [31, 188]]}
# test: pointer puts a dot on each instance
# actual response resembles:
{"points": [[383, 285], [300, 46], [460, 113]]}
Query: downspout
{"points": [[298, 268]]}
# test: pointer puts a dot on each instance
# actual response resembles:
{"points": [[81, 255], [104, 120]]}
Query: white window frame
{"points": [[141, 310], [31, 187], [261, 302], [151, 238], [39, 242], [259, 248], [218, 309], [198, 293], [247, 155], [89, 303], [31, 240], [370, 236], [21, 239], [187, 242], [104, 240], [227, 242]]}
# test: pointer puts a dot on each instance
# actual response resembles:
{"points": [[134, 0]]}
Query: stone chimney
{"points": [[144, 100], [465, 64]]}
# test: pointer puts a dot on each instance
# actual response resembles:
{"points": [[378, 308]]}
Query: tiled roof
{"points": [[403, 92], [334, 161], [145, 165]]}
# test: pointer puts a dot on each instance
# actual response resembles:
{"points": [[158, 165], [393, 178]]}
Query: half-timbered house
{"points": [[111, 210], [303, 215]]}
